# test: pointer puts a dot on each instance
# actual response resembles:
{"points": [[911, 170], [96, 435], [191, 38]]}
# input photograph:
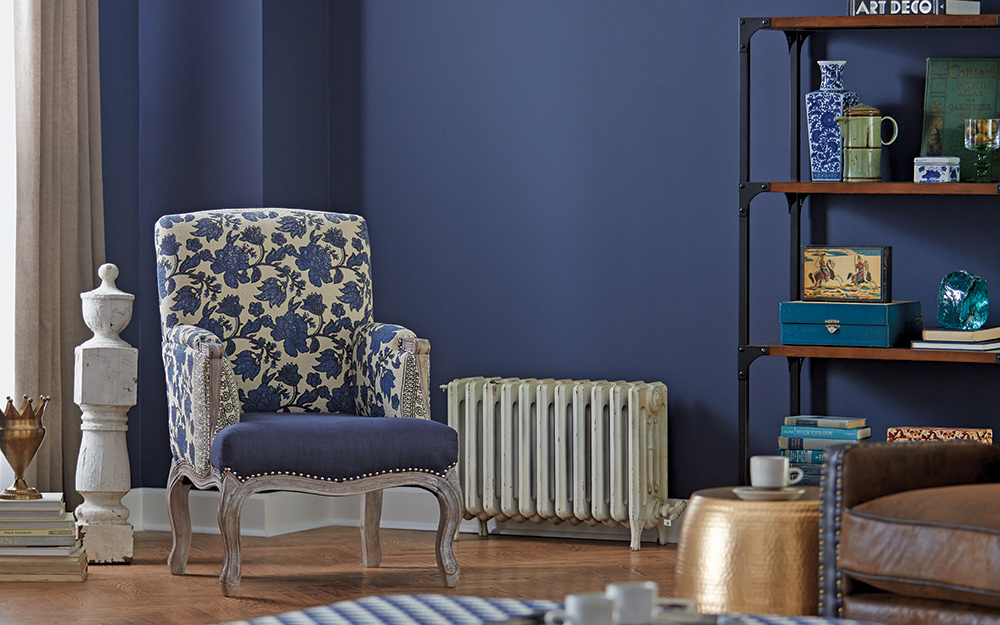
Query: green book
{"points": [[956, 90]]}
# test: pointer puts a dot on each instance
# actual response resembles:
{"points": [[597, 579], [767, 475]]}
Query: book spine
{"points": [[22, 516], [852, 434], [811, 456], [43, 577], [808, 468], [37, 541], [35, 552], [895, 7], [785, 442], [22, 521], [825, 422], [43, 565], [809, 480], [929, 433], [37, 531]]}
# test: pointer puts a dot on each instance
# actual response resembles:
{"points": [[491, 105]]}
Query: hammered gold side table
{"points": [[752, 557]]}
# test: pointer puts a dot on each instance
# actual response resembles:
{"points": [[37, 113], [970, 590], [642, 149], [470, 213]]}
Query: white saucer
{"points": [[749, 493]]}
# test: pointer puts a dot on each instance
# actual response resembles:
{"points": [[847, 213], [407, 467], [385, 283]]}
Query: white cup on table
{"points": [[773, 472], [638, 603], [588, 608]]}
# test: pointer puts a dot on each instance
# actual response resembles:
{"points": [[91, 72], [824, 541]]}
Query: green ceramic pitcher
{"points": [[861, 128]]}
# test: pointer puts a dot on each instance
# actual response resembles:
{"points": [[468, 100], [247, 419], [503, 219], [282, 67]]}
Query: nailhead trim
{"points": [[338, 480], [838, 507]]}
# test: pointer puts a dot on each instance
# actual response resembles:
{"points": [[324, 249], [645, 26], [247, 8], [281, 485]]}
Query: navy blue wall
{"points": [[551, 189]]}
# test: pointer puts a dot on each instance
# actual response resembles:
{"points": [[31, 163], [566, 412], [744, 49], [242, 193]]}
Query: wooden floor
{"points": [[322, 566]]}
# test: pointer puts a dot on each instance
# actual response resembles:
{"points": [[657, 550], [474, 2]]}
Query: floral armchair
{"points": [[279, 379]]}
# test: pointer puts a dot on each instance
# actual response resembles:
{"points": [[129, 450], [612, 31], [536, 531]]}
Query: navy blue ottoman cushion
{"points": [[300, 444]]}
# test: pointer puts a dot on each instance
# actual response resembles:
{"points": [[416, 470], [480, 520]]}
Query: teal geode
{"points": [[963, 302]]}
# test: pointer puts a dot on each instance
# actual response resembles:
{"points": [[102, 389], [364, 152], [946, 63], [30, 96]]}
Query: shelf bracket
{"points": [[748, 191], [748, 26], [798, 36], [794, 197], [748, 354]]}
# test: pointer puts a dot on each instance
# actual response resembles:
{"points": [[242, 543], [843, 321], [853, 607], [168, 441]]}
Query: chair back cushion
{"points": [[283, 289]]}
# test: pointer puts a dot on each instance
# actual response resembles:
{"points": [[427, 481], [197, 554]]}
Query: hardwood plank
{"points": [[321, 566]]}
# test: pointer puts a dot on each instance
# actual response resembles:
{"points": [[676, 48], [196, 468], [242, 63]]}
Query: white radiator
{"points": [[563, 450]]}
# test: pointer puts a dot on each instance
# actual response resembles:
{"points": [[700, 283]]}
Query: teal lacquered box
{"points": [[850, 324]]}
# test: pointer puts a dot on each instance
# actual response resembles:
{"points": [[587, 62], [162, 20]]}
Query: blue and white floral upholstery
{"points": [[288, 292], [272, 355]]}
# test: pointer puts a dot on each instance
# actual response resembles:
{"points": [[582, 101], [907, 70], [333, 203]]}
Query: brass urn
{"points": [[21, 433]]}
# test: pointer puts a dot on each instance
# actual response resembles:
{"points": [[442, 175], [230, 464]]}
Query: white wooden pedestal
{"points": [[104, 387]]}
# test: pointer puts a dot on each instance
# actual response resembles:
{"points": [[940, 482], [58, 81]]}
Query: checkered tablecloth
{"points": [[447, 610]]}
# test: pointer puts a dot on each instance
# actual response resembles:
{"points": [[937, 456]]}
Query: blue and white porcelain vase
{"points": [[822, 108]]}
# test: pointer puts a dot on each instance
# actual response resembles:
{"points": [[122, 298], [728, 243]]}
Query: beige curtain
{"points": [[60, 216]]}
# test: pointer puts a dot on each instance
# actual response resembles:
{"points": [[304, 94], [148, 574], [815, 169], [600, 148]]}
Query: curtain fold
{"points": [[60, 217]]}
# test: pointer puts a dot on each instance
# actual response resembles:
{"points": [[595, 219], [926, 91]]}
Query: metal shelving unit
{"points": [[796, 31]]}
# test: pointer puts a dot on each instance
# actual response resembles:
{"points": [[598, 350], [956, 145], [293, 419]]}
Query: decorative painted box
{"points": [[935, 169], [983, 435], [850, 324]]}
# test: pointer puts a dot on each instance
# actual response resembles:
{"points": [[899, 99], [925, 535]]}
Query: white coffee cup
{"points": [[638, 603], [588, 608], [772, 472]]}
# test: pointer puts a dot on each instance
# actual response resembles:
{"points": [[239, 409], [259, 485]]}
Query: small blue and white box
{"points": [[935, 169]]}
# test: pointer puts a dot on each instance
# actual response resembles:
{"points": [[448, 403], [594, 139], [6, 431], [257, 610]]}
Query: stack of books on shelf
{"points": [[39, 541], [804, 440], [981, 340]]}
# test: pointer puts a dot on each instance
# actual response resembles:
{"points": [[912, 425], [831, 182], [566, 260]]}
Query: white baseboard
{"points": [[271, 514]]}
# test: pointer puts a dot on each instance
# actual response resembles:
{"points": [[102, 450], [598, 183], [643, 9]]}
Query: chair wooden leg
{"points": [[179, 514], [371, 515], [230, 507], [449, 497]]}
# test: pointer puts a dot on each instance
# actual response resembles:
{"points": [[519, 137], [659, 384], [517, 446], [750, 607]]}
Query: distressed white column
{"points": [[104, 386]]}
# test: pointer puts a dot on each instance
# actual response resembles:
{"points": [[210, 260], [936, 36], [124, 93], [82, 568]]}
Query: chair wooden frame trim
{"points": [[235, 493]]}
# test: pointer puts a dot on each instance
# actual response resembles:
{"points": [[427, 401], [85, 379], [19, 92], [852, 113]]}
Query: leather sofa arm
{"points": [[857, 473]]}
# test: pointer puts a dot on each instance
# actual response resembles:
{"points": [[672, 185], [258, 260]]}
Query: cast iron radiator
{"points": [[579, 451]]}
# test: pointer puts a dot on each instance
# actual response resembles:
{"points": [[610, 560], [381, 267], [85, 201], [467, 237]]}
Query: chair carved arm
{"points": [[201, 393], [393, 372]]}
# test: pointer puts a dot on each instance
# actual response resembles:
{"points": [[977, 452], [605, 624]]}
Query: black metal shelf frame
{"points": [[796, 31]]}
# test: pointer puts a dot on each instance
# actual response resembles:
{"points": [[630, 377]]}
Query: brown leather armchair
{"points": [[910, 533]]}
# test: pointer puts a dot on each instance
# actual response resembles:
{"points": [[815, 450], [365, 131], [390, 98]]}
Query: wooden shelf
{"points": [[879, 353], [839, 22], [887, 188]]}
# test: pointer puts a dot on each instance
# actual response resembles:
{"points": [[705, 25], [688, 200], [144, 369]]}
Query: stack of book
{"points": [[981, 340], [39, 542], [804, 440]]}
